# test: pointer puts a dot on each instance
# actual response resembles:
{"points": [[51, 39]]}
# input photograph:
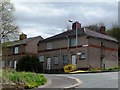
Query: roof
{"points": [[98, 35], [81, 31], [22, 42], [63, 35]]}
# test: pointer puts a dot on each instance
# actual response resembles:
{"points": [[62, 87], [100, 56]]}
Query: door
{"points": [[15, 62], [103, 63], [74, 59], [48, 63]]}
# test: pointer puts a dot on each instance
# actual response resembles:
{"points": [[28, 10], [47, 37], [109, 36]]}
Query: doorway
{"points": [[74, 61], [48, 63]]}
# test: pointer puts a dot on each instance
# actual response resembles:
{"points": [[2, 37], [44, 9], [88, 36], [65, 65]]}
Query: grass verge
{"points": [[110, 69], [26, 79]]}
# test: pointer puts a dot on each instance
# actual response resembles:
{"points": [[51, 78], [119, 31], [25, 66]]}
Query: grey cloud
{"points": [[76, 11]]}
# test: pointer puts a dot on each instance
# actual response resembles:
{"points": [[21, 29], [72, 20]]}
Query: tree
{"points": [[8, 28], [29, 64], [115, 32], [94, 27]]}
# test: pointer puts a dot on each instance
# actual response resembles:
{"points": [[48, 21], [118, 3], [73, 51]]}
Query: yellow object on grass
{"points": [[69, 68]]}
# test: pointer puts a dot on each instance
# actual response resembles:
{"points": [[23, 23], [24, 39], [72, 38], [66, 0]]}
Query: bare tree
{"points": [[8, 28]]}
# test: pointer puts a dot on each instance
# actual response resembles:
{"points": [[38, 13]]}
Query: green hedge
{"points": [[29, 64]]}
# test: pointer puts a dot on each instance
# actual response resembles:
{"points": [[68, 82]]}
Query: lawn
{"points": [[24, 79]]}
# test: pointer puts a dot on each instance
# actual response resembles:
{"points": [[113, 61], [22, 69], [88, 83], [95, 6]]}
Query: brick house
{"points": [[17, 49], [92, 49]]}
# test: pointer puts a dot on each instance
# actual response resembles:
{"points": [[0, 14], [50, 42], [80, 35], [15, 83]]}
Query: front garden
{"points": [[26, 76], [21, 80]]}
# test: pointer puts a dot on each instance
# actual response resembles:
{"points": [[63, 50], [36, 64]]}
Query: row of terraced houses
{"points": [[92, 49]]}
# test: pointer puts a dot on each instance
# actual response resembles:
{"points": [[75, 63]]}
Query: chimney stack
{"points": [[102, 30], [22, 36], [76, 25]]}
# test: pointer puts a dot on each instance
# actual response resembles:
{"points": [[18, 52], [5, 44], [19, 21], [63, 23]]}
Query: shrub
{"points": [[29, 64]]}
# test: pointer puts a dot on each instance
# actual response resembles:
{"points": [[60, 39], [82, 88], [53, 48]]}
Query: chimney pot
{"points": [[22, 36], [76, 25], [102, 30]]}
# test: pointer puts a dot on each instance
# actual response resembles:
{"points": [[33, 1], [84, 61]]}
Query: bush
{"points": [[29, 64]]}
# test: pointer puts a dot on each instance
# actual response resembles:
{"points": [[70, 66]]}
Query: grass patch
{"points": [[105, 69], [30, 80], [113, 68]]}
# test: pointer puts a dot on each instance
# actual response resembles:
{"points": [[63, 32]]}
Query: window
{"points": [[56, 60], [82, 56], [73, 42], [65, 59], [16, 50], [41, 58], [49, 45]]}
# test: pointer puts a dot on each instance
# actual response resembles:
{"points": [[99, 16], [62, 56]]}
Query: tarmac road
{"points": [[87, 80], [98, 80], [59, 81]]}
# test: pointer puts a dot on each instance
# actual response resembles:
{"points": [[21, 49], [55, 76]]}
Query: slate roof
{"points": [[98, 35], [81, 31], [22, 42]]}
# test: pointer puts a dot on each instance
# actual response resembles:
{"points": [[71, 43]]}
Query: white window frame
{"points": [[82, 56], [49, 45], [16, 50], [41, 58]]}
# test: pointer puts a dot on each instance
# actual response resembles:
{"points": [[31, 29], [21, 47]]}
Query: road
{"points": [[97, 80], [88, 80], [59, 81]]}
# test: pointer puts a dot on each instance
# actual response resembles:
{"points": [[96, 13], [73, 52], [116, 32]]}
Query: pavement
{"points": [[60, 81]]}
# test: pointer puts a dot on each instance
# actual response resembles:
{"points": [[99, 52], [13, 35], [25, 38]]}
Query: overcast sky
{"points": [[49, 18]]}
